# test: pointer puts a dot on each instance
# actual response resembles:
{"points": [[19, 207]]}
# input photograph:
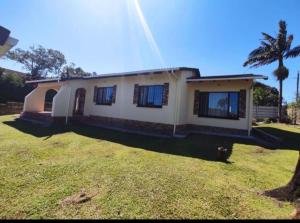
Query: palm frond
{"points": [[289, 42], [258, 51], [269, 38], [281, 37], [261, 59], [263, 62], [293, 52], [264, 48]]}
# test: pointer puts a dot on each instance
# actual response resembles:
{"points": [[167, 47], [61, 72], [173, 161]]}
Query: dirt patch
{"points": [[296, 212], [57, 144], [259, 150], [79, 198]]}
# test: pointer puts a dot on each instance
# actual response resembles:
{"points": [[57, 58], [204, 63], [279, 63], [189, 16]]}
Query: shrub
{"points": [[224, 153], [269, 120]]}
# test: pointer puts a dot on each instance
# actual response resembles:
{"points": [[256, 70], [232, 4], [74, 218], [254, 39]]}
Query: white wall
{"points": [[61, 101], [124, 107], [242, 123], [35, 100]]}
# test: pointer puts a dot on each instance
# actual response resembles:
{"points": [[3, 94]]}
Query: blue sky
{"points": [[123, 35]]}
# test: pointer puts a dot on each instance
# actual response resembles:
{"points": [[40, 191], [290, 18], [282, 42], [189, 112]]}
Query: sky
{"points": [[109, 36]]}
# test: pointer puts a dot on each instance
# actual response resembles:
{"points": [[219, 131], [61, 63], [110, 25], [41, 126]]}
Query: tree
{"points": [[277, 49], [274, 49], [13, 88], [71, 71], [40, 62], [264, 95]]}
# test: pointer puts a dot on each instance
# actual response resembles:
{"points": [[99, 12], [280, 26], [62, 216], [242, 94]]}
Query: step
{"points": [[269, 138]]}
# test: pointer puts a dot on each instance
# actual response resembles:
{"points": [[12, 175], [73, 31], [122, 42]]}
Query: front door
{"points": [[79, 102]]}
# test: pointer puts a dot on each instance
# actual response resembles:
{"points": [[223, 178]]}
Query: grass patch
{"points": [[135, 176]]}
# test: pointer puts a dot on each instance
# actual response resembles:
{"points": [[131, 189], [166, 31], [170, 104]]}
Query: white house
{"points": [[164, 101]]}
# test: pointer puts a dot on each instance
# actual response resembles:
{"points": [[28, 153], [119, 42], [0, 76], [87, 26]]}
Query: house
{"points": [[6, 41], [172, 101]]}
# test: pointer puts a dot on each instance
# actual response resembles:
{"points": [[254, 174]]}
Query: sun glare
{"points": [[147, 31], [119, 14]]}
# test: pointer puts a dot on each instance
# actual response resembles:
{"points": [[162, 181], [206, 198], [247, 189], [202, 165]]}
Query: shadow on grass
{"points": [[196, 146], [290, 140]]}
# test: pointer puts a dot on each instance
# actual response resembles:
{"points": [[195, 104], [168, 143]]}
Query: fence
{"points": [[11, 108], [17, 108], [294, 115], [261, 112]]}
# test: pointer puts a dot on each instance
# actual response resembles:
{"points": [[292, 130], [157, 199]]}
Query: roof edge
{"points": [[228, 77], [123, 74]]}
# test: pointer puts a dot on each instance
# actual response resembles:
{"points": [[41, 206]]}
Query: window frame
{"points": [[101, 102], [237, 117], [147, 105]]}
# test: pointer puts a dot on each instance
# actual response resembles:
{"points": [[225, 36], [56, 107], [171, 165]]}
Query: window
{"points": [[104, 96], [219, 104], [151, 96]]}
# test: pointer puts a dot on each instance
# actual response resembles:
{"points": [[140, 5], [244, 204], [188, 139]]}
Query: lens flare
{"points": [[148, 32]]}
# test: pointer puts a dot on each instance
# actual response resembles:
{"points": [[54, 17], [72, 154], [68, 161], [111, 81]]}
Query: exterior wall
{"points": [[124, 107], [179, 110], [61, 101], [218, 86], [35, 100]]}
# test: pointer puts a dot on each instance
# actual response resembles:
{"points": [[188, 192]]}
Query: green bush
{"points": [[13, 88], [269, 120]]}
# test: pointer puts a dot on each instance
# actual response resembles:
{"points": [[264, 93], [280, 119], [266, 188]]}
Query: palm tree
{"points": [[274, 49]]}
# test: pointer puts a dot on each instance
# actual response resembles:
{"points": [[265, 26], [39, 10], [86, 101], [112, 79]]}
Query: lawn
{"points": [[134, 176]]}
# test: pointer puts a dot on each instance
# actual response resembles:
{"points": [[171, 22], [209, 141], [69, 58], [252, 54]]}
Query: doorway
{"points": [[79, 102]]}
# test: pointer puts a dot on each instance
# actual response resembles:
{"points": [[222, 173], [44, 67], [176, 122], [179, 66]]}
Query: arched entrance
{"points": [[79, 102], [49, 99]]}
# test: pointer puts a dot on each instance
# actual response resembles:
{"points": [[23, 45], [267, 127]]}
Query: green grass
{"points": [[135, 176]]}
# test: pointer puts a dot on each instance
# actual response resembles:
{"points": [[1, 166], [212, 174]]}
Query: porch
{"points": [[39, 104]]}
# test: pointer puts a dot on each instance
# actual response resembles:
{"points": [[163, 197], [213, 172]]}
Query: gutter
{"points": [[250, 98], [176, 103], [227, 79]]}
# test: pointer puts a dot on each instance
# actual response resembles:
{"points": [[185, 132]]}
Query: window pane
{"points": [[203, 103], [142, 96], [158, 95], [108, 95], [99, 95], [218, 104], [151, 94], [105, 95], [233, 104]]}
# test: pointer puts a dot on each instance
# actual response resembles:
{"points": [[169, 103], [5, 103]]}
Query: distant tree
{"points": [[264, 95], [1, 71], [71, 71], [275, 49], [40, 62], [13, 88]]}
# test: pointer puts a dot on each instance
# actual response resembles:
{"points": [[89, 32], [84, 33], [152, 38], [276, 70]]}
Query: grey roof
{"points": [[124, 74], [4, 34], [6, 41], [196, 76], [144, 72], [53, 80], [229, 77]]}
